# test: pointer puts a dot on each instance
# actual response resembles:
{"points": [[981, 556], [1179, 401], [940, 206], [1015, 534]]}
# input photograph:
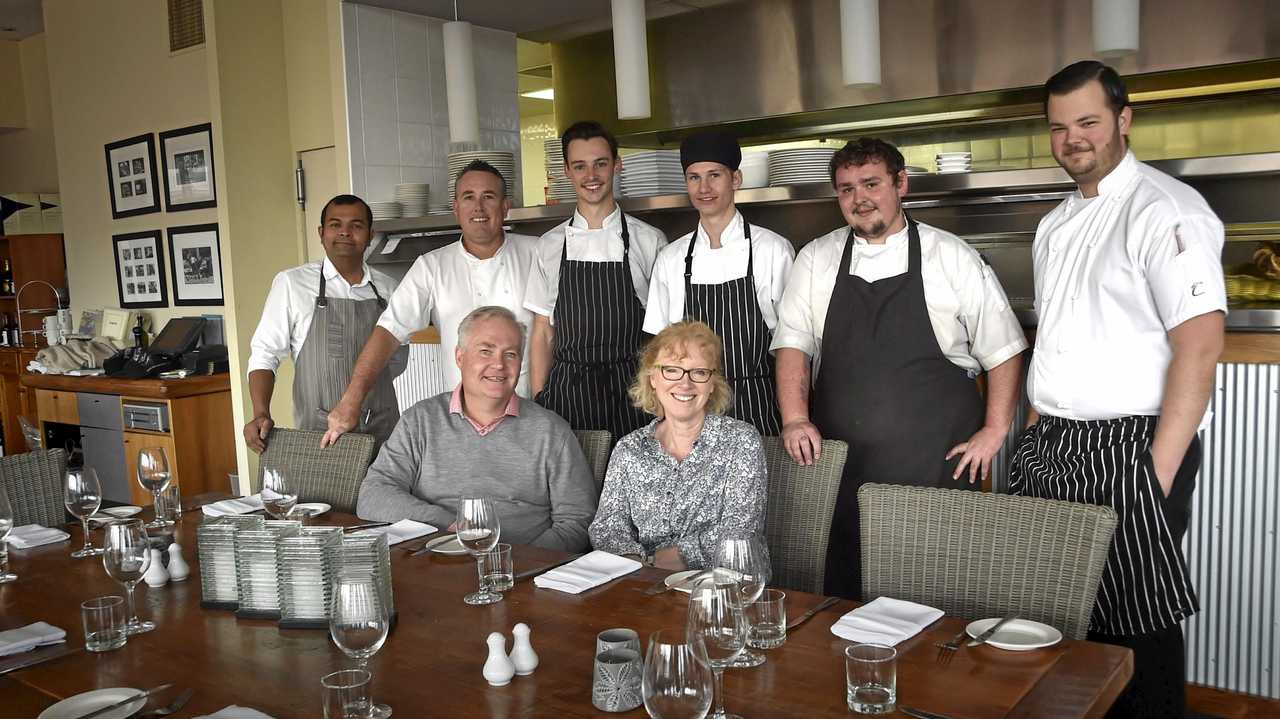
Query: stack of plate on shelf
{"points": [[800, 165], [412, 197], [307, 563], [257, 568], [445, 209], [653, 172], [559, 187], [503, 162], [755, 169], [216, 548], [388, 210], [949, 162], [368, 557], [916, 170]]}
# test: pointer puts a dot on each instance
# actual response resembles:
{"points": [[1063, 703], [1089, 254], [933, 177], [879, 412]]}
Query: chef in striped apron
{"points": [[587, 288], [727, 273], [1129, 291]]}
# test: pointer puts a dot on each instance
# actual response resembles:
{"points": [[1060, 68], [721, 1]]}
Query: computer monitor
{"points": [[179, 336]]}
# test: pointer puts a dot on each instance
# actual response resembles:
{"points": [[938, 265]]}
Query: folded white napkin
{"points": [[401, 531], [885, 620], [235, 712], [24, 639], [34, 535], [586, 572], [243, 505]]}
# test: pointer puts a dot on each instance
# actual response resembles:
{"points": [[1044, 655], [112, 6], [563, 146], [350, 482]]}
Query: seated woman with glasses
{"points": [[677, 485]]}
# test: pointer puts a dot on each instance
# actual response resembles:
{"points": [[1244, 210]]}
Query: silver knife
{"points": [[369, 525], [920, 713], [983, 637], [530, 572], [122, 702], [809, 614]]}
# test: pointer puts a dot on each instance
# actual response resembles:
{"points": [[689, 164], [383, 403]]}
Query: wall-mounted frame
{"points": [[132, 177], [140, 269], [197, 265], [187, 157]]}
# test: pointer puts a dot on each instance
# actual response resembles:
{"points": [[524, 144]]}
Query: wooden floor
{"points": [[1209, 702]]}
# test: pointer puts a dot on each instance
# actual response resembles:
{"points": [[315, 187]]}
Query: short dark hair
{"points": [[585, 130], [347, 200], [1078, 74], [859, 152], [480, 166]]}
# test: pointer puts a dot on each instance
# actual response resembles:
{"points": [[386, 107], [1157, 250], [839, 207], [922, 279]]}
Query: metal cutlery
{"points": [[985, 636], [920, 713], [425, 545], [662, 586], [792, 625], [171, 708], [948, 650], [370, 525], [127, 700]]}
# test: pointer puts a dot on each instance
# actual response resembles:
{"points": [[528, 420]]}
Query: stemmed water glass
{"points": [[153, 475], [83, 496], [478, 530], [6, 523], [358, 624], [744, 562], [126, 556], [677, 678], [721, 627], [278, 493]]}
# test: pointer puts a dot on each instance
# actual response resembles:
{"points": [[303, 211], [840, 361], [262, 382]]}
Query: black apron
{"points": [[731, 309], [598, 334], [885, 387]]}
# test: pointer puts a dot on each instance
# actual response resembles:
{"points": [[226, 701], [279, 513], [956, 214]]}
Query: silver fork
{"points": [[946, 652], [172, 707]]}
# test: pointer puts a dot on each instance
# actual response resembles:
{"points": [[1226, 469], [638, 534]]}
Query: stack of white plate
{"points": [[503, 162], [308, 562], [800, 165], [412, 197], [559, 187], [257, 565], [216, 549], [368, 557], [440, 210], [949, 162], [388, 210], [653, 172], [916, 170], [755, 169]]}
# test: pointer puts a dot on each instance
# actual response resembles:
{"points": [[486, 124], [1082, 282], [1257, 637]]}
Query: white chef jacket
{"points": [[771, 263], [602, 245], [1114, 273], [291, 303], [971, 318], [444, 285]]}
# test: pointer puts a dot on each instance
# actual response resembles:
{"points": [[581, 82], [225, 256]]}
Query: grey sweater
{"points": [[531, 466]]}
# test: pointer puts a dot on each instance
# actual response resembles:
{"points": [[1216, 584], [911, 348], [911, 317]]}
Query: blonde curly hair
{"points": [[678, 338]]}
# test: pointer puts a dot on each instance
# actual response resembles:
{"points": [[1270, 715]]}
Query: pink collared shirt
{"points": [[512, 410]]}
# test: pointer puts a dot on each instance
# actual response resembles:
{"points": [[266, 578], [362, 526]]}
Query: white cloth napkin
{"points": [[24, 639], [586, 572], [34, 535], [885, 620], [401, 531], [235, 712], [243, 505]]}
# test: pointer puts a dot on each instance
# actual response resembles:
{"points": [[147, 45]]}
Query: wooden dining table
{"points": [[431, 662]]}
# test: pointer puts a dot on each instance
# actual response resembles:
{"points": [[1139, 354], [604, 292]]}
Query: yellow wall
{"points": [[13, 106], [28, 162]]}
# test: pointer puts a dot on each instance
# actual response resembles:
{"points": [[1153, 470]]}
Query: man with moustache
{"points": [[485, 267], [728, 274], [897, 318], [1131, 303], [587, 290]]}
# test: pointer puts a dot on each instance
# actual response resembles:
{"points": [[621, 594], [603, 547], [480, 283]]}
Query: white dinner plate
{"points": [[1019, 635], [448, 544], [313, 509], [126, 511], [81, 704], [673, 579]]}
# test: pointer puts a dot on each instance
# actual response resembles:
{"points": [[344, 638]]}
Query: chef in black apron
{"points": [[728, 274], [902, 317]]}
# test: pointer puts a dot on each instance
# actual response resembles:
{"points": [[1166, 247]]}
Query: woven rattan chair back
{"points": [[595, 444], [798, 524], [332, 474], [33, 483]]}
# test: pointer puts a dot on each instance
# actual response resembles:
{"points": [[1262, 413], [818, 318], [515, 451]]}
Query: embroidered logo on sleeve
{"points": [[1197, 289]]}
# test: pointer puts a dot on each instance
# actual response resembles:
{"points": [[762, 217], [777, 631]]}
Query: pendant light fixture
{"points": [[1115, 27], [860, 42], [460, 81], [631, 59]]}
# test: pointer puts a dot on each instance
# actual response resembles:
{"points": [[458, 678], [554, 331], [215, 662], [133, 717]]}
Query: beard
{"points": [[871, 231]]}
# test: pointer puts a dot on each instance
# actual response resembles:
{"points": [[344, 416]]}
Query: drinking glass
{"points": [[346, 694], [153, 475], [82, 494], [104, 620], [677, 679], [768, 618], [744, 562], [478, 530], [278, 493], [499, 574], [126, 557], [871, 678], [721, 627], [6, 524], [358, 624]]}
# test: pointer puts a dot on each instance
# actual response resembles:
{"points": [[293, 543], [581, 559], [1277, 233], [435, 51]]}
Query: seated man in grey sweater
{"points": [[481, 440]]}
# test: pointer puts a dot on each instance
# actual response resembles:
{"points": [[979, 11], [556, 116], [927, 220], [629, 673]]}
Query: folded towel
{"points": [[24, 639], [586, 572], [235, 712], [401, 531], [34, 535], [243, 505], [885, 620]]}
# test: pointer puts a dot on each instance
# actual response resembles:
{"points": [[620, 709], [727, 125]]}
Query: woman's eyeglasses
{"points": [[672, 373]]}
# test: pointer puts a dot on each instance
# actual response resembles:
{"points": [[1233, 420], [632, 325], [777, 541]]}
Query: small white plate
{"points": [[679, 577], [1019, 635], [121, 512], [448, 544], [313, 509], [81, 704]]}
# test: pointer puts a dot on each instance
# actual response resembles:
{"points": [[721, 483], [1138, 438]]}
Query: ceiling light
{"points": [[1115, 27], [631, 59], [860, 42], [460, 83], [543, 94]]}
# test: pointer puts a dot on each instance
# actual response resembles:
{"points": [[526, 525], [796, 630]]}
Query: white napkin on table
{"points": [[34, 535], [401, 531], [235, 712], [885, 620], [243, 505], [586, 572], [24, 639]]}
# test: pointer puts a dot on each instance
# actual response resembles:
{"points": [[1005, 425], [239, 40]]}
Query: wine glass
{"points": [[358, 624], [278, 493], [83, 496], [153, 475], [744, 562], [6, 523], [677, 678], [722, 629], [478, 530], [126, 556]]}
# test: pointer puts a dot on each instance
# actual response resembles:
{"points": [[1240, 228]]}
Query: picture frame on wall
{"points": [[132, 177], [187, 158], [196, 262], [140, 276]]}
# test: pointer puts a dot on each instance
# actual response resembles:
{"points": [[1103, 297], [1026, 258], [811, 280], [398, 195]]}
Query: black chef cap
{"points": [[710, 146]]}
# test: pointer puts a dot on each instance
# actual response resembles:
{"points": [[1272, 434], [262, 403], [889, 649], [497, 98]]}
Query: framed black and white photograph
{"points": [[187, 156], [132, 177], [196, 265], [135, 292]]}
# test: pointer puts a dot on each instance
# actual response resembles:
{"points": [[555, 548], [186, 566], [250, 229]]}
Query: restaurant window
{"points": [[186, 24]]}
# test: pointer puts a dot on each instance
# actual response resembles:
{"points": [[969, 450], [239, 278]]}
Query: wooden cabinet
{"points": [[15, 398], [31, 257], [137, 441], [53, 406]]}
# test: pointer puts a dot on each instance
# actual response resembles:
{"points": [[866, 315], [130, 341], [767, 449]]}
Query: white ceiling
{"points": [[20, 18]]}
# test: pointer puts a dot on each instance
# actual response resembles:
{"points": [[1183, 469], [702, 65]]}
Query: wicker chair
{"points": [[33, 483], [332, 474], [595, 444], [975, 554], [798, 525]]}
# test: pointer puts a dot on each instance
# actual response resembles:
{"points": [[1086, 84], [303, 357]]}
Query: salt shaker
{"points": [[156, 575], [178, 568], [498, 669], [522, 654]]}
